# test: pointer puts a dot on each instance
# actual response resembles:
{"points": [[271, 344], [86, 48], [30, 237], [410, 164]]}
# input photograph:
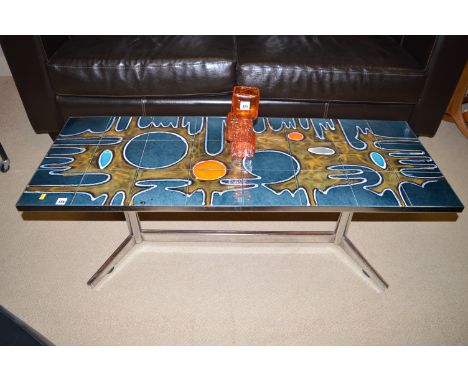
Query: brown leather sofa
{"points": [[374, 77]]}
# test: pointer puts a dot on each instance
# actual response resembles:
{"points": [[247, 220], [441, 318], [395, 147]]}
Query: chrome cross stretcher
{"points": [[337, 237]]}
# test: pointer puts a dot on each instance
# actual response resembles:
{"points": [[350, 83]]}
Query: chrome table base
{"points": [[337, 237]]}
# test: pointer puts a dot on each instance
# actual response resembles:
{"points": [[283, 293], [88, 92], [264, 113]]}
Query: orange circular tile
{"points": [[209, 170], [295, 136]]}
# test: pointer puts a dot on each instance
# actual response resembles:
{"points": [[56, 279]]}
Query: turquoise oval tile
{"points": [[105, 158], [378, 159]]}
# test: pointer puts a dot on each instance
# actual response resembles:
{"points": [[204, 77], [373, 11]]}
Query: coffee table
{"points": [[182, 164]]}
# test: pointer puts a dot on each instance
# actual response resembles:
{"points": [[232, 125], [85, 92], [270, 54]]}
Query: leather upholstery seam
{"points": [[338, 71], [140, 67], [137, 96], [333, 103], [143, 106], [325, 110], [360, 102]]}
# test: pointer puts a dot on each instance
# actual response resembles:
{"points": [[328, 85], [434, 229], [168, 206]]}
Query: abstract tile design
{"points": [[185, 161], [159, 187]]}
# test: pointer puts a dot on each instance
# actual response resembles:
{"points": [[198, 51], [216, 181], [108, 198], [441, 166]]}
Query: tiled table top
{"points": [[141, 163]]}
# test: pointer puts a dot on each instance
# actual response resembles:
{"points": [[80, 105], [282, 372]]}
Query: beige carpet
{"points": [[243, 294]]}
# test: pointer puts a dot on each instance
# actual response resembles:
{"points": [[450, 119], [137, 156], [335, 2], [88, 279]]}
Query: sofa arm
{"points": [[419, 47], [27, 58], [444, 67]]}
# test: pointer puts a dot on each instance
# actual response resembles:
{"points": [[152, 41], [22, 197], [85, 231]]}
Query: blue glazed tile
{"points": [[91, 126], [264, 195], [339, 195], [403, 148], [156, 122], [420, 173], [173, 153], [371, 187], [68, 159], [196, 198], [324, 129], [228, 197], [275, 124], [260, 125], [85, 199], [432, 193], [66, 151], [215, 128], [138, 136], [83, 141], [56, 163], [123, 123], [304, 196], [270, 161], [47, 198], [326, 188], [113, 158], [104, 187], [193, 125], [263, 187], [168, 136], [160, 187], [165, 122], [412, 159], [272, 141], [118, 199], [164, 173], [228, 193], [211, 148], [268, 136], [391, 129], [210, 144], [367, 190], [281, 126], [110, 141], [267, 173], [161, 192], [355, 132], [91, 179], [55, 179], [132, 152], [124, 128], [369, 161]]}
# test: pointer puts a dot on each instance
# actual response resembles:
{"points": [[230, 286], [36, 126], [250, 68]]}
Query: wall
{"points": [[4, 70]]}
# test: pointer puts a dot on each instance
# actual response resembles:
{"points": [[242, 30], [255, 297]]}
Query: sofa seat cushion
{"points": [[331, 68], [144, 66]]}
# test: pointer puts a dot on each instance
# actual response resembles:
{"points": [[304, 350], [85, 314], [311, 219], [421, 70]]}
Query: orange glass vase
{"points": [[231, 125], [243, 139], [245, 101]]}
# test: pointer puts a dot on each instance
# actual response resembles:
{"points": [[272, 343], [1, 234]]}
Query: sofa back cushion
{"points": [[330, 68], [126, 66]]}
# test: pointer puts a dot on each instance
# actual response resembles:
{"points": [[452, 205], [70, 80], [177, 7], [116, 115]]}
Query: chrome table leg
{"points": [[135, 237], [358, 261]]}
